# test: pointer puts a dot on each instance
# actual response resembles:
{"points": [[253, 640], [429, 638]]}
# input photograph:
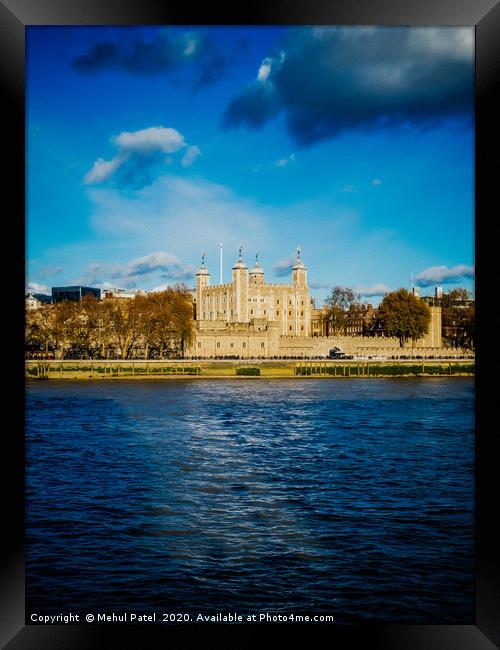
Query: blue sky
{"points": [[147, 146]]}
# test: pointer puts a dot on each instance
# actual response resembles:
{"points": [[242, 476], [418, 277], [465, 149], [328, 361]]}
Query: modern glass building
{"points": [[74, 293]]}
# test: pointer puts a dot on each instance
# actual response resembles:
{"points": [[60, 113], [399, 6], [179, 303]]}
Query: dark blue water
{"points": [[348, 497]]}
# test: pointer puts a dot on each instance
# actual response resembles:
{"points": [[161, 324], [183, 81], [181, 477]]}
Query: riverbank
{"points": [[255, 369]]}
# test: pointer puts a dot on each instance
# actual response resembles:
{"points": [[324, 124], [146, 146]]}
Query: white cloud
{"points": [[103, 169], [46, 272], [140, 269], [36, 287], [191, 47], [189, 212], [283, 267], [264, 70], [434, 41], [348, 188], [376, 181], [282, 162], [267, 65], [319, 285], [437, 274], [374, 290], [155, 138], [140, 147], [160, 287], [190, 156]]}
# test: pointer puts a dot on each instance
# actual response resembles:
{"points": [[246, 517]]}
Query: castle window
{"points": [[218, 344], [302, 327], [290, 328], [262, 345], [265, 312], [231, 345], [244, 344], [301, 313], [290, 302], [278, 313], [251, 311], [278, 302], [289, 312], [199, 344]]}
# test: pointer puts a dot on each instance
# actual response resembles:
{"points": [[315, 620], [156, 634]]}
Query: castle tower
{"points": [[240, 290], [202, 282], [256, 276], [433, 338], [299, 272], [299, 322]]}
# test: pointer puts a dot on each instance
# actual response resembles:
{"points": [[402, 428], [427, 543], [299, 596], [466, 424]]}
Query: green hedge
{"points": [[393, 369], [248, 371]]}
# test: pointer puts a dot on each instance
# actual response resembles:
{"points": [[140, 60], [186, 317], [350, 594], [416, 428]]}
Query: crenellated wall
{"points": [[260, 338]]}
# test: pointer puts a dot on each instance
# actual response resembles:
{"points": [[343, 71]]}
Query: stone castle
{"points": [[249, 318]]}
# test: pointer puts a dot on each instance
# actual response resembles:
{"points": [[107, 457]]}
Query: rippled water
{"points": [[347, 497]]}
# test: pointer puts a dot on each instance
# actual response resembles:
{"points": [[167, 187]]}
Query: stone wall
{"points": [[257, 340]]}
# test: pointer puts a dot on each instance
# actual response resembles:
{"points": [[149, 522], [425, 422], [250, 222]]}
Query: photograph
{"points": [[250, 323], [249, 326]]}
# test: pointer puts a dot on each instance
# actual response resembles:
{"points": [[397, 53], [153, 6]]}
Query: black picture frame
{"points": [[15, 15]]}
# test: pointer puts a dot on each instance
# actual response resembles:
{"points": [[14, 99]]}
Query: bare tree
{"points": [[340, 301], [124, 326]]}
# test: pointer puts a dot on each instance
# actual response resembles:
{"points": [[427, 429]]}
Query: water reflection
{"points": [[352, 498]]}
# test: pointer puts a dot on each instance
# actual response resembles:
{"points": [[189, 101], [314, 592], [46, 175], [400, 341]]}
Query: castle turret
{"points": [[240, 290], [299, 272], [256, 275], [202, 282]]}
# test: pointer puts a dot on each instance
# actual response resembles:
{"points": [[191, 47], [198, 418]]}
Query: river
{"points": [[353, 498]]}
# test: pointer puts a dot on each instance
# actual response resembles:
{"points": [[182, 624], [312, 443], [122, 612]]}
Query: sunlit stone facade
{"points": [[249, 300], [249, 318]]}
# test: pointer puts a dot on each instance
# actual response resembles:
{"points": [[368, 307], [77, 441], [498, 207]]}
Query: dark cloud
{"points": [[329, 80], [167, 52], [254, 107]]}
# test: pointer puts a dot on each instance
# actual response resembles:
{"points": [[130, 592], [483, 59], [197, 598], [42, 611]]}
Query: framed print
{"points": [[251, 242]]}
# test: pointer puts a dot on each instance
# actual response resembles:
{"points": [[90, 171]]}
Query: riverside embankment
{"points": [[254, 368]]}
